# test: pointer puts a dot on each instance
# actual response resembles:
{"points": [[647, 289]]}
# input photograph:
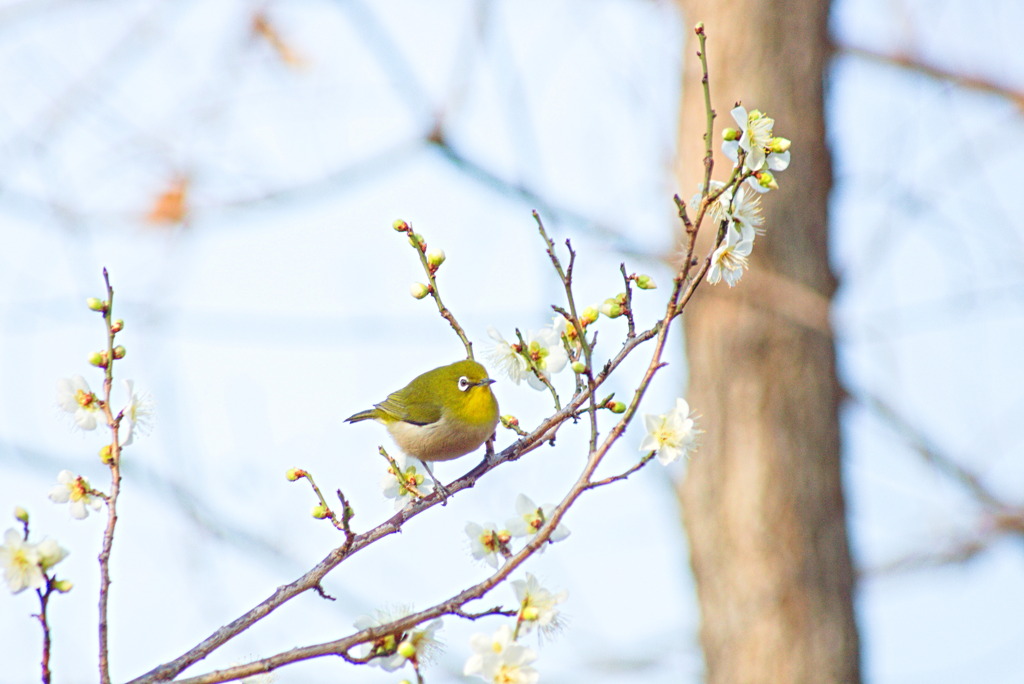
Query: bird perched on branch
{"points": [[442, 414]]}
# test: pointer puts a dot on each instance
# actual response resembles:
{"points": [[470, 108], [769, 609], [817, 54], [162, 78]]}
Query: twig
{"points": [[347, 513], [904, 61], [709, 159], [581, 334], [420, 245], [631, 325], [403, 483], [536, 371], [44, 599], [623, 475], [115, 488], [944, 463], [497, 610]]}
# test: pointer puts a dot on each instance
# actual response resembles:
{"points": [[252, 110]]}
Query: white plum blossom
{"points": [[530, 518], [416, 645], [671, 435], [50, 553], [25, 564], [498, 658], [718, 210], [731, 257], [541, 351], [138, 413], [738, 206], [763, 150], [421, 642], [537, 605], [74, 489], [75, 397], [505, 356], [20, 562], [487, 541], [547, 353], [746, 210], [756, 136], [402, 487]]}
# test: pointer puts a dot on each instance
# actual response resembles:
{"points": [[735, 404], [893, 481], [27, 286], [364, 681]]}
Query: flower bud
{"points": [[20, 514], [63, 586], [731, 134], [611, 308], [419, 290], [406, 649], [766, 180], [579, 367], [119, 352], [754, 115], [98, 359], [589, 315], [416, 240], [294, 474], [508, 421], [401, 226], [117, 326], [529, 614], [779, 144], [319, 512], [645, 282], [96, 304], [617, 407], [107, 454], [50, 553], [435, 257]]}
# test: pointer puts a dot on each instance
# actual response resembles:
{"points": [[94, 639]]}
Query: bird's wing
{"points": [[411, 410]]}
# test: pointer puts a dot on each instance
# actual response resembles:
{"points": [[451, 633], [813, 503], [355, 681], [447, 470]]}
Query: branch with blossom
{"points": [[28, 565], [536, 357], [406, 638]]}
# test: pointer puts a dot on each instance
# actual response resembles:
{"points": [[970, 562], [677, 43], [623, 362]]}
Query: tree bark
{"points": [[762, 499]]}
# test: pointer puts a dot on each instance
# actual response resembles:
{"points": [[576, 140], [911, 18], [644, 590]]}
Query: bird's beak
{"points": [[485, 382]]}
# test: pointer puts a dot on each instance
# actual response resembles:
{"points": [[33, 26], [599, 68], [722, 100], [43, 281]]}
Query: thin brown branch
{"points": [[565, 275], [497, 610], [115, 488], [624, 474], [912, 63], [958, 552], [420, 245], [999, 518], [946, 464], [709, 159], [44, 599]]}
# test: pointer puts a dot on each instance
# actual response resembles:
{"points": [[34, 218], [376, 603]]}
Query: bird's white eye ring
{"points": [[464, 383]]}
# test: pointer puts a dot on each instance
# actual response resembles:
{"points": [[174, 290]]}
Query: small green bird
{"points": [[442, 414]]}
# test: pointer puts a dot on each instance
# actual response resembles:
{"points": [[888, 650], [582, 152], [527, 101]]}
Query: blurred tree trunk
{"points": [[763, 500]]}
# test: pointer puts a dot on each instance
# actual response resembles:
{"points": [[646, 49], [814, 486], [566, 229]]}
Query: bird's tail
{"points": [[368, 414]]}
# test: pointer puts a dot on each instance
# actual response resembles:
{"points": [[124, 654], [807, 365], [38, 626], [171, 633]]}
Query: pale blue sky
{"points": [[282, 307]]}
